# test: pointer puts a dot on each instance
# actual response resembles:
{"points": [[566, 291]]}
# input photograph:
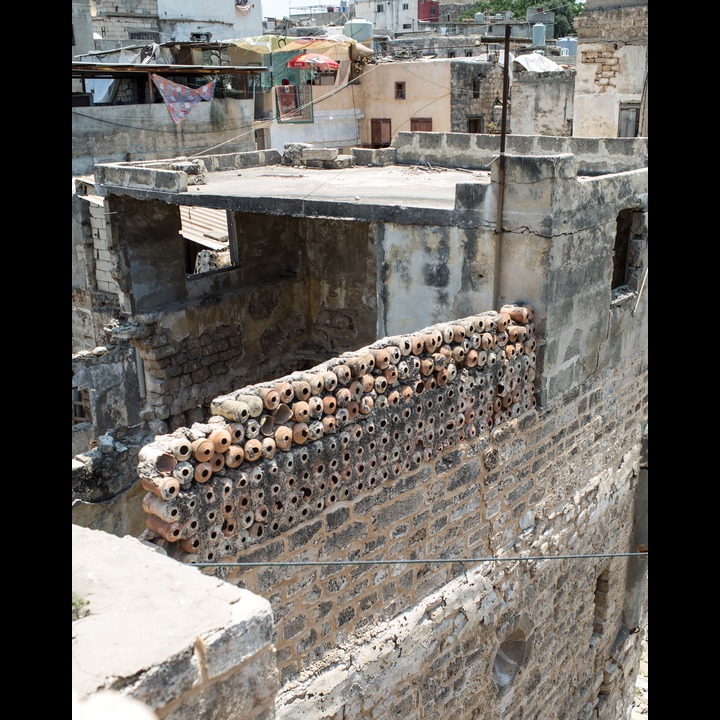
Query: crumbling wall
{"points": [[542, 103], [362, 496]]}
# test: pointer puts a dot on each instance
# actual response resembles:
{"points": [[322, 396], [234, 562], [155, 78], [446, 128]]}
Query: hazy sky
{"points": [[281, 8], [276, 8]]}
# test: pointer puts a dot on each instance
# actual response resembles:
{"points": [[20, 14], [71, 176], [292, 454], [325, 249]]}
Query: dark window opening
{"points": [[451, 53], [629, 268], [601, 609], [81, 405], [476, 124], [399, 90], [476, 87], [508, 660], [154, 36], [629, 123], [620, 249]]}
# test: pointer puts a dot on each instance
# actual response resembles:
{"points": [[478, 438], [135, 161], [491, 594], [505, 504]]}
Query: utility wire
{"points": [[314, 563]]}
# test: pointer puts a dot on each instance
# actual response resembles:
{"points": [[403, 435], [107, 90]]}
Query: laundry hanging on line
{"points": [[243, 6], [181, 99]]}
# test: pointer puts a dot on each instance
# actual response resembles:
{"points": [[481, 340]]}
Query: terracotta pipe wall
{"points": [[268, 454]]}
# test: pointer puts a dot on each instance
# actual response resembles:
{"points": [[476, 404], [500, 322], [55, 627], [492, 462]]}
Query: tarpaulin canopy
{"points": [[262, 44], [313, 61], [265, 44]]}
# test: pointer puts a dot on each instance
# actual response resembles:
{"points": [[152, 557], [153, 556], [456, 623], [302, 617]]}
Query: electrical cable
{"points": [[316, 563]]}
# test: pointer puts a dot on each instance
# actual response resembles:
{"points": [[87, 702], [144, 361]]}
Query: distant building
{"points": [[117, 23], [393, 17]]}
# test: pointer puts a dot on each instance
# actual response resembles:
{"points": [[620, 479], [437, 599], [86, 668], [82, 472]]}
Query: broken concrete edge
{"points": [[187, 651], [176, 174]]}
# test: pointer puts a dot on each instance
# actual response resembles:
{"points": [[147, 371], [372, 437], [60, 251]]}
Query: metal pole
{"points": [[501, 171]]}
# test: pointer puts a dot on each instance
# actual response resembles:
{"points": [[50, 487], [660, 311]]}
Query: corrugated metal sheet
{"points": [[205, 226]]}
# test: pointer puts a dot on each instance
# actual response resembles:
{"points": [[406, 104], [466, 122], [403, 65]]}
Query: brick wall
{"points": [[461, 463]]}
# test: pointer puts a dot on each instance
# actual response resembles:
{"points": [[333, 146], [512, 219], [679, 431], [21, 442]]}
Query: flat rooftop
{"points": [[404, 185]]}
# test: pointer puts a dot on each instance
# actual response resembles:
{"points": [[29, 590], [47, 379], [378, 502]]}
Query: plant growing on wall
{"points": [[79, 606]]}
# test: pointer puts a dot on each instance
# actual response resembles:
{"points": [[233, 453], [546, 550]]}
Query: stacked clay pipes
{"points": [[276, 454]]}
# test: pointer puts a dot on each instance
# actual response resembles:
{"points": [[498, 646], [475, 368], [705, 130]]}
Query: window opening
{"points": [[600, 612], [207, 239], [294, 101], [451, 53], [620, 249], [509, 658], [476, 124], [629, 253], [149, 35], [399, 90], [80, 403], [629, 122], [380, 8], [476, 87]]}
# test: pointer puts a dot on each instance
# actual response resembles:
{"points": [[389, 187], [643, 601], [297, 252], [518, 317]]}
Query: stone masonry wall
{"points": [[402, 459], [629, 24]]}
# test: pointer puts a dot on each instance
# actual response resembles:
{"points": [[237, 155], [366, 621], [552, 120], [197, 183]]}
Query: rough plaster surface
{"points": [[184, 631]]}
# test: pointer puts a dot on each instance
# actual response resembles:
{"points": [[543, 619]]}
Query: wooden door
{"points": [[380, 132]]}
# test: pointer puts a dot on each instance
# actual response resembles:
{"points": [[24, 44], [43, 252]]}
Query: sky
{"points": [[281, 8], [276, 8]]}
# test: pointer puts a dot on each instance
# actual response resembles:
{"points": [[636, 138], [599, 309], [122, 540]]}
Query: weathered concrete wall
{"points": [[149, 132], [542, 103], [303, 286], [430, 272], [611, 66], [110, 374], [184, 645], [81, 28], [173, 19], [180, 18], [594, 156]]}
